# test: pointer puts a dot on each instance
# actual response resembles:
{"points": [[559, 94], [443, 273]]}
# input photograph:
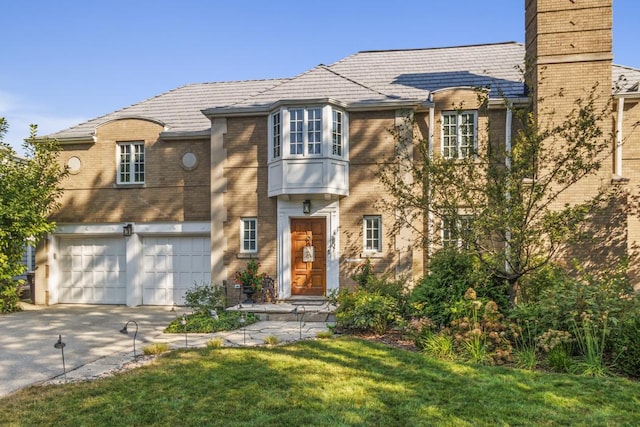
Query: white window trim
{"points": [[365, 249], [132, 145], [326, 143], [458, 115], [242, 238]]}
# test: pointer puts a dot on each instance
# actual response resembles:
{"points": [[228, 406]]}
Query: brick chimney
{"points": [[568, 50]]}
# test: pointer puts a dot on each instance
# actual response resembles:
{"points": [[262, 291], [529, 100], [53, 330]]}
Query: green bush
{"points": [[10, 296], [204, 323], [626, 346], [561, 301], [363, 274], [203, 298], [364, 311], [451, 273]]}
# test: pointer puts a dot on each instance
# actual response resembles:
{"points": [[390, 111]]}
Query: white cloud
{"points": [[20, 114]]}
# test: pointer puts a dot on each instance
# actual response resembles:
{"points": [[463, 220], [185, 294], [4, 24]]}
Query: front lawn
{"points": [[344, 381]]}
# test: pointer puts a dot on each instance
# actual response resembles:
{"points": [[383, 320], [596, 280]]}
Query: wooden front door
{"points": [[308, 260]]}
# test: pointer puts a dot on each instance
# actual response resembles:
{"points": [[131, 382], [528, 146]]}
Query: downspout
{"points": [[619, 120], [430, 221], [507, 163]]}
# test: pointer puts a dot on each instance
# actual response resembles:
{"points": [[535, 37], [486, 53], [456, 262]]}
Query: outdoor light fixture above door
{"points": [[306, 207], [127, 230]]}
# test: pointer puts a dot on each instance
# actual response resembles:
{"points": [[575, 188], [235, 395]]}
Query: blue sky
{"points": [[68, 61]]}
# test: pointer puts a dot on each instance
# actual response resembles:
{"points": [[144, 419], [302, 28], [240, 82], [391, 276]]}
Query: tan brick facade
{"points": [[170, 192], [568, 47]]}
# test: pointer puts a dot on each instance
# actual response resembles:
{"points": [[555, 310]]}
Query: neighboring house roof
{"points": [[179, 109], [368, 78], [627, 79]]}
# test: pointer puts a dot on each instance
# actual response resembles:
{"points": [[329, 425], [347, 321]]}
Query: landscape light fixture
{"points": [[306, 207], [243, 322], [59, 344], [184, 325], [135, 334], [296, 311], [127, 230]]}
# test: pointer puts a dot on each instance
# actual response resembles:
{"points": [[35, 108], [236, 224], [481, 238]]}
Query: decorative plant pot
{"points": [[248, 291]]}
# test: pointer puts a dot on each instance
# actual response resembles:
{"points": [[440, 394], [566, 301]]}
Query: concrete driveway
{"points": [[90, 332]]}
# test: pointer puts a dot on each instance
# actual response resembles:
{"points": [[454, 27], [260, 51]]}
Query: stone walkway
{"points": [[250, 336]]}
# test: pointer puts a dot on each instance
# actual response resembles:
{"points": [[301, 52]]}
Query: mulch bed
{"points": [[392, 338]]}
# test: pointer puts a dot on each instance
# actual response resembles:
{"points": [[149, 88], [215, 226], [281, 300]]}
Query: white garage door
{"points": [[172, 265], [92, 270]]}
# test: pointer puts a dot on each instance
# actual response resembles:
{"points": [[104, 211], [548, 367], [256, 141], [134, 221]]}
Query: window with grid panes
{"points": [[459, 134], [249, 235], [131, 167], [372, 233]]}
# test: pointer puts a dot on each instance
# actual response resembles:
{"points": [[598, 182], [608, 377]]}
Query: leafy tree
{"points": [[29, 189], [513, 197]]}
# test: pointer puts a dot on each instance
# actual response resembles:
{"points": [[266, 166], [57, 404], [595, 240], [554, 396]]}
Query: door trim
{"points": [[288, 209]]}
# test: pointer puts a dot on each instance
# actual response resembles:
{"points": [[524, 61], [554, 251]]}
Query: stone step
{"points": [[301, 311]]}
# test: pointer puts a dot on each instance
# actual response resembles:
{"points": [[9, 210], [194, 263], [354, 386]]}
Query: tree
{"points": [[509, 200], [29, 189]]}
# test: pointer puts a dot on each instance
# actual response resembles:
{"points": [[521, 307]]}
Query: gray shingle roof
{"points": [[318, 83], [368, 77], [179, 109], [411, 72]]}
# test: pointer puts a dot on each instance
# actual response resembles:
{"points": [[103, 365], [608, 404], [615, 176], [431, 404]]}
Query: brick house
{"points": [[188, 186]]}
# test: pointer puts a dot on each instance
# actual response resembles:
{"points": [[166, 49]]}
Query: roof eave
{"points": [[185, 135], [627, 95], [500, 103], [264, 109]]}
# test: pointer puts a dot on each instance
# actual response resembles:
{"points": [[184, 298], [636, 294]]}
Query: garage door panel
{"points": [[171, 266], [92, 270]]}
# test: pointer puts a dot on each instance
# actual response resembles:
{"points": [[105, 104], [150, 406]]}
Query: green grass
{"points": [[338, 382]]}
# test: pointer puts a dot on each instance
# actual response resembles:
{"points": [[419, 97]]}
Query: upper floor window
{"points": [[336, 133], [131, 163], [249, 235], [307, 131], [305, 128], [459, 133], [455, 232], [277, 135], [372, 233]]}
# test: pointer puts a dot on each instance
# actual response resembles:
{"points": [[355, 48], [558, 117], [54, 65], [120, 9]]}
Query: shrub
{"points": [[203, 323], [481, 333], [363, 274], [626, 346], [526, 352], [451, 273], [324, 335], [590, 343], [559, 359], [10, 296], [272, 340], [561, 301], [556, 348], [155, 348], [364, 311], [203, 298], [215, 343], [437, 345]]}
